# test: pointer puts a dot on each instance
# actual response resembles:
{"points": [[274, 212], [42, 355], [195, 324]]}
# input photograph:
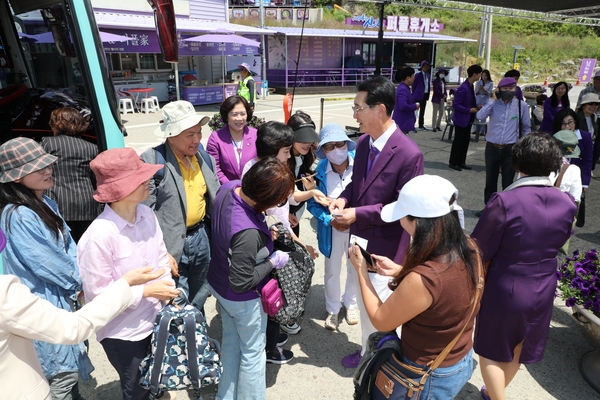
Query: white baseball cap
{"points": [[424, 196]]}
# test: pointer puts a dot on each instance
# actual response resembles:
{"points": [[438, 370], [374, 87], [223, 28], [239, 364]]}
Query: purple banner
{"points": [[587, 69], [199, 95], [147, 42]]}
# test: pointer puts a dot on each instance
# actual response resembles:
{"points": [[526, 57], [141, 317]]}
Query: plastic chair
{"points": [[147, 105], [126, 106], [155, 101], [449, 123]]}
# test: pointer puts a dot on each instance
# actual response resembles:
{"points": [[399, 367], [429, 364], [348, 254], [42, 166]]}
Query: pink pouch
{"points": [[271, 297]]}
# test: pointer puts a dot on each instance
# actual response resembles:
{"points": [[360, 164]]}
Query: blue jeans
{"points": [[193, 266], [242, 350], [495, 159], [446, 383]]}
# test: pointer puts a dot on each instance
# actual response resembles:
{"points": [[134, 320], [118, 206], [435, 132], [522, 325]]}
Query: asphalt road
{"points": [[316, 371]]}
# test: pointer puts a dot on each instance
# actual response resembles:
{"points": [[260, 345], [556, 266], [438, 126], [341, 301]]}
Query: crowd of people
{"points": [[179, 217]]}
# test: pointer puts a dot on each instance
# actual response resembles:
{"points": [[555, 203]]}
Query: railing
{"points": [[331, 76], [271, 3]]}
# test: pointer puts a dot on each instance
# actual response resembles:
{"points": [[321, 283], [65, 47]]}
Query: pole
{"points": [[176, 80], [489, 42], [482, 35], [263, 58], [379, 49]]}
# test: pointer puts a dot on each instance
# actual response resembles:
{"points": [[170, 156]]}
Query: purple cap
{"points": [[597, 74], [245, 66], [424, 62], [505, 82]]}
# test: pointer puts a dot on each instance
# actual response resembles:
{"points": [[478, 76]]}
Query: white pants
{"points": [[438, 114], [380, 283], [333, 277]]}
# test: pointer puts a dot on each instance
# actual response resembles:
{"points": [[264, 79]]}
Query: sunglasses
{"points": [[330, 146]]}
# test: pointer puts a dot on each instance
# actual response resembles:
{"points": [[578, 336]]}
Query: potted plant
{"points": [[579, 286], [532, 91], [216, 122]]}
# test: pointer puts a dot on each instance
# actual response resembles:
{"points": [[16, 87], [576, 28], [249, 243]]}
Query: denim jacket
{"points": [[49, 268], [321, 213]]}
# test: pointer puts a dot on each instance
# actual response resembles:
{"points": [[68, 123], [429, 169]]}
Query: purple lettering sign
{"points": [[587, 69], [147, 42]]}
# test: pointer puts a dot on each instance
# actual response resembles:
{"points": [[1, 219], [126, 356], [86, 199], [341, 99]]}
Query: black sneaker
{"points": [[279, 356], [282, 339]]}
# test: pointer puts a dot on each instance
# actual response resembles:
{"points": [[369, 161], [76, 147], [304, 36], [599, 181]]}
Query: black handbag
{"points": [[382, 375], [581, 212]]}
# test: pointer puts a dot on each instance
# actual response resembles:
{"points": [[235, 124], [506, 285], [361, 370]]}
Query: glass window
{"points": [[129, 61], [147, 61]]}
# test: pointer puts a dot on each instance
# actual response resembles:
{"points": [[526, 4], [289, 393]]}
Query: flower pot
{"points": [[589, 364], [531, 95]]}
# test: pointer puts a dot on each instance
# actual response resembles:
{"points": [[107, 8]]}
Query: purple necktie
{"points": [[373, 153]]}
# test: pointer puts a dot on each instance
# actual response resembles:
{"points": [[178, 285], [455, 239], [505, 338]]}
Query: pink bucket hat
{"points": [[118, 173]]}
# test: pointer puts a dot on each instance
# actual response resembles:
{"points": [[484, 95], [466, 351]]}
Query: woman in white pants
{"points": [[334, 172]]}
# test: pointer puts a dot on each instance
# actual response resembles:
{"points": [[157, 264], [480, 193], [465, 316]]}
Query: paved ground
{"points": [[316, 372]]}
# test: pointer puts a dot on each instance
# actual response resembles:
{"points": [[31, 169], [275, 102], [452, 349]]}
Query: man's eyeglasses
{"points": [[357, 109], [331, 145]]}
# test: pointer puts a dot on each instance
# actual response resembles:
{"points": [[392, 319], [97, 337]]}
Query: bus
{"points": [[69, 69]]}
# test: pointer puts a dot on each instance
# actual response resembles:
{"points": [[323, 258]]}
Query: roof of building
{"points": [[370, 34]]}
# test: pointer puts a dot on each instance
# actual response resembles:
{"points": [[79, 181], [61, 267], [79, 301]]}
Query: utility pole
{"points": [[379, 48], [263, 58]]}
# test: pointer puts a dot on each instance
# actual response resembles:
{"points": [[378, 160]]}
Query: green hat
{"points": [[568, 143]]}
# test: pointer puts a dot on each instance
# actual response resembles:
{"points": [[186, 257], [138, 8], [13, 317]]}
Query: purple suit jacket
{"points": [[400, 161], [404, 109], [438, 94], [464, 100], [420, 92], [220, 146]]}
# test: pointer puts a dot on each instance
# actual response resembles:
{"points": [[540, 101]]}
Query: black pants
{"points": [[272, 334], [496, 158], [460, 145], [422, 105], [125, 356]]}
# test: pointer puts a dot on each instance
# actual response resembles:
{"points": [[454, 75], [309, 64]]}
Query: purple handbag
{"points": [[271, 297]]}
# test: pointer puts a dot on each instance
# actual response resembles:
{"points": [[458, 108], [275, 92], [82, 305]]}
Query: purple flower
{"points": [[588, 304], [570, 302]]}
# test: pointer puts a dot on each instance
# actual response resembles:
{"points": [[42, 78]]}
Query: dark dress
{"points": [[520, 231]]}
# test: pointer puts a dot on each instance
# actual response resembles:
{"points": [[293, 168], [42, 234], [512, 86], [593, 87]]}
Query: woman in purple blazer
{"points": [[555, 103], [439, 98], [567, 119], [519, 233], [235, 144]]}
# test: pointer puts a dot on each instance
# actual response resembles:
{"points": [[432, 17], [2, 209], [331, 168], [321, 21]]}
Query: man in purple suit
{"points": [[404, 110], [465, 107], [420, 90], [385, 160]]}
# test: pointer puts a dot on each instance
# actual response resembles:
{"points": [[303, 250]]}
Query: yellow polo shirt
{"points": [[195, 189]]}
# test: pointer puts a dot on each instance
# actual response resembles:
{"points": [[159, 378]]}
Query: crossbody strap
{"points": [[479, 286], [159, 354], [191, 348]]}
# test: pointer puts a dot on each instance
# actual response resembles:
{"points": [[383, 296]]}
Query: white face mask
{"points": [[337, 156], [442, 76]]}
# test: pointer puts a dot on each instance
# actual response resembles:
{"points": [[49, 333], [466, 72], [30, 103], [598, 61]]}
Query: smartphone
{"points": [[367, 258], [337, 215]]}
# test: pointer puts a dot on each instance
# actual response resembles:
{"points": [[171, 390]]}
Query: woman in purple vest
{"points": [[241, 263]]}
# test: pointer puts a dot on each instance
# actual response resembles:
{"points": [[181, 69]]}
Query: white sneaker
{"points": [[331, 322], [352, 316], [291, 329]]}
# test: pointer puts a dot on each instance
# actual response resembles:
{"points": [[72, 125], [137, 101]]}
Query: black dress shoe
{"points": [[455, 167], [465, 166]]}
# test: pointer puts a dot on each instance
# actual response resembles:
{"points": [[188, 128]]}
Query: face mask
{"points": [[507, 95], [337, 156], [442, 76]]}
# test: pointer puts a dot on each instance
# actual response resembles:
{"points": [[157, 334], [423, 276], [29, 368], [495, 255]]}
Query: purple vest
{"points": [[231, 215]]}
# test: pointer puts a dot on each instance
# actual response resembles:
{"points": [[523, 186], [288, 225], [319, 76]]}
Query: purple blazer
{"points": [[585, 162], [420, 92], [404, 109], [400, 161], [464, 100], [549, 114], [220, 146], [438, 94]]}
